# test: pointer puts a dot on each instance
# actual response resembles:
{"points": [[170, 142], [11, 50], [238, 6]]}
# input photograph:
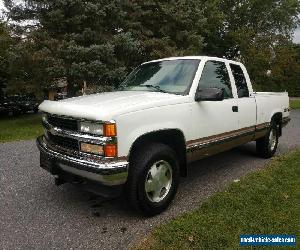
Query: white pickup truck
{"points": [[166, 114]]}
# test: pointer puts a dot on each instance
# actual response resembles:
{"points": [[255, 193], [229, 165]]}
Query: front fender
{"points": [[133, 125]]}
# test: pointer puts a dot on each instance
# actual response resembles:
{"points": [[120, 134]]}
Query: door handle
{"points": [[235, 109]]}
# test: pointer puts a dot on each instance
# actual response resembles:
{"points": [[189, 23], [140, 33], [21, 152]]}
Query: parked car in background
{"points": [[3, 109], [166, 114], [28, 103], [18, 104], [9, 106]]}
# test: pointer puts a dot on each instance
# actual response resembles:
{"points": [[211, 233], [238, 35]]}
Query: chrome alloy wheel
{"points": [[272, 139], [158, 181]]}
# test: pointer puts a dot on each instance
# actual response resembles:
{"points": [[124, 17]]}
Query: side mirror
{"points": [[209, 94]]}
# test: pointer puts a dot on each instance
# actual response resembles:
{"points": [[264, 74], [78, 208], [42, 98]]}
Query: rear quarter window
{"points": [[240, 80]]}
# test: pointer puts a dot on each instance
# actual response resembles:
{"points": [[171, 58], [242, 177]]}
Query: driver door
{"points": [[214, 122]]}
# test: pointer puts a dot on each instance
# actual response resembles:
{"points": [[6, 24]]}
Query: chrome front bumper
{"points": [[108, 172]]}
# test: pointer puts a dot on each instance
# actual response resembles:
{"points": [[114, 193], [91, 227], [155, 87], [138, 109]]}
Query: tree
{"points": [[78, 40], [101, 41], [252, 30], [5, 43], [246, 22], [166, 28], [285, 70]]}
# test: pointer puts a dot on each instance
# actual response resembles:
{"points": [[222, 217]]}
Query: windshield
{"points": [[173, 76]]}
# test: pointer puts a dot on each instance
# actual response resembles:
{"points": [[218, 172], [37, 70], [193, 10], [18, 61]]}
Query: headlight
{"points": [[91, 128]]}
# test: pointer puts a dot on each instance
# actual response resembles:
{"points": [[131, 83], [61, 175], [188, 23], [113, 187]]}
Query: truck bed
{"points": [[269, 103]]}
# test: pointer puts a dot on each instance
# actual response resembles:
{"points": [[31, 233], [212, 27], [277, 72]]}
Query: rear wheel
{"points": [[153, 178], [267, 145]]}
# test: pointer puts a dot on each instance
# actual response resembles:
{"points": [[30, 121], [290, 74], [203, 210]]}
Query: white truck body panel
{"points": [[269, 103], [108, 106], [133, 125]]}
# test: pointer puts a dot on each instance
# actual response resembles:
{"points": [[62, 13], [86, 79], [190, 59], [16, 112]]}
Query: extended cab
{"points": [[166, 114]]}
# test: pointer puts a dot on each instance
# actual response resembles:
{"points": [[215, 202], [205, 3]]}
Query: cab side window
{"points": [[215, 75], [240, 81]]}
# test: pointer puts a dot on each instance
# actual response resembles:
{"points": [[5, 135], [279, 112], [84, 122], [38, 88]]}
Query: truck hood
{"points": [[107, 106]]}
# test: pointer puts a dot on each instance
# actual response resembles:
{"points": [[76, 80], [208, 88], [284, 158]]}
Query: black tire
{"points": [[140, 165], [264, 146]]}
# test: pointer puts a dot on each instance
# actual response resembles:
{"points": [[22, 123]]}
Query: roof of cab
{"points": [[191, 57]]}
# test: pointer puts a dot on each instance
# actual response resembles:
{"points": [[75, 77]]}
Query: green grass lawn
{"points": [[295, 104], [263, 202], [22, 127]]}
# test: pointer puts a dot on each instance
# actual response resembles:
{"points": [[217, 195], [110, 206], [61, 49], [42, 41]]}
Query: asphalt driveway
{"points": [[35, 214]]}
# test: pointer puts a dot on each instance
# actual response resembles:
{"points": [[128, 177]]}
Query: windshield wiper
{"points": [[154, 87]]}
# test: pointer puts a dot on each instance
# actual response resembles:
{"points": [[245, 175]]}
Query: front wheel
{"points": [[267, 145], [153, 178]]}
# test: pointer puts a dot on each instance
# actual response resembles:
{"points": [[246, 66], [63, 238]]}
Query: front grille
{"points": [[63, 141], [63, 123]]}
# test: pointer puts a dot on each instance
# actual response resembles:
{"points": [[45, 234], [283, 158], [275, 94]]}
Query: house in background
{"points": [[57, 88]]}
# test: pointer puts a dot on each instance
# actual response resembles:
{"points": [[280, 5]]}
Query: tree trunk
{"points": [[71, 90]]}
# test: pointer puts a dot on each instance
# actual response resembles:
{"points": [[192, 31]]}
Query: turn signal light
{"points": [[110, 129], [110, 150]]}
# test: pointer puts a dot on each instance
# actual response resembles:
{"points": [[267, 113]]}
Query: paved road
{"points": [[35, 214]]}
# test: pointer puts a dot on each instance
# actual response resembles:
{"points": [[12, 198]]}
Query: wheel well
{"points": [[173, 138], [277, 118]]}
